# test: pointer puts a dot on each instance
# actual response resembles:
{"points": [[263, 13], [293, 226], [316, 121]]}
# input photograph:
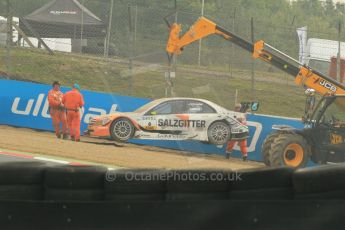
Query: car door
{"points": [[332, 131], [200, 116], [163, 120]]}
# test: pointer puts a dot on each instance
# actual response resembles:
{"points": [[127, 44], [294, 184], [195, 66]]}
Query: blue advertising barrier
{"points": [[25, 104]]}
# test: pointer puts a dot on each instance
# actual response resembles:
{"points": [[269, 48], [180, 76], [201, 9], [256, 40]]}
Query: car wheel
{"points": [[122, 130], [218, 133]]}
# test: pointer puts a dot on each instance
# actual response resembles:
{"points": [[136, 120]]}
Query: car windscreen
{"points": [[145, 107]]}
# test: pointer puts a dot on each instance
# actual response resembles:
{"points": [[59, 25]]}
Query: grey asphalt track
{"points": [[6, 158]]}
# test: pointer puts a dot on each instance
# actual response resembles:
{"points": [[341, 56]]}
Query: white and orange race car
{"points": [[171, 119]]}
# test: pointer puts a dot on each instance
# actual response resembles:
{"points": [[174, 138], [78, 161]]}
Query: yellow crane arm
{"points": [[303, 75], [202, 28]]}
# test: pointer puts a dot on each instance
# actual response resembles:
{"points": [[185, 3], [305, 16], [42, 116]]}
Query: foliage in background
{"points": [[275, 21]]}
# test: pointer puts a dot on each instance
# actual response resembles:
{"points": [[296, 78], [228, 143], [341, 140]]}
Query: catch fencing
{"points": [[136, 37]]}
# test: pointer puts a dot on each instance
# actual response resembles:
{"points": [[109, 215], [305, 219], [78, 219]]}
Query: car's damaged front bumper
{"points": [[97, 131]]}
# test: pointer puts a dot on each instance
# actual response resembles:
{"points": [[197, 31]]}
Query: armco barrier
{"points": [[24, 104]]}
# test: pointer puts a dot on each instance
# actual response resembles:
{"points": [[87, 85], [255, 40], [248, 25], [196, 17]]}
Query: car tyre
{"points": [[219, 133], [122, 130]]}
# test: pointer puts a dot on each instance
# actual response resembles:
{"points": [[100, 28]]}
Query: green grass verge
{"points": [[278, 95]]}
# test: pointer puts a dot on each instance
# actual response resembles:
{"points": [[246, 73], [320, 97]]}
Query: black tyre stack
{"points": [[263, 184], [77, 183], [198, 185], [323, 182], [135, 185], [21, 180], [32, 181]]}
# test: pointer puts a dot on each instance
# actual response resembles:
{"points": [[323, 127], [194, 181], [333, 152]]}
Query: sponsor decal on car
{"points": [[181, 136], [148, 118], [149, 126], [181, 123]]}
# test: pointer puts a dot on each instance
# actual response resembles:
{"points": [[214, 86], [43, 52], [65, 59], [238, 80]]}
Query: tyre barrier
{"points": [[38, 181], [263, 184], [135, 185], [198, 185], [21, 180], [323, 182], [74, 183], [37, 196]]}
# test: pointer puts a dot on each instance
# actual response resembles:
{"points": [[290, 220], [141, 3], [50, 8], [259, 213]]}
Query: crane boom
{"points": [[304, 75]]}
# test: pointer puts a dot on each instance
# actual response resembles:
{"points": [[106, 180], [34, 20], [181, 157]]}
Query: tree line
{"points": [[275, 21]]}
